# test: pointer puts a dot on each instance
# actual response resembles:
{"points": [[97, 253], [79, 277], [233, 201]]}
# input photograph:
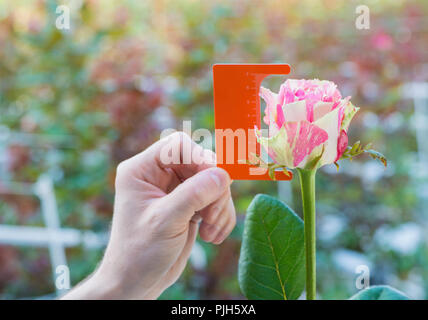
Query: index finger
{"points": [[177, 152]]}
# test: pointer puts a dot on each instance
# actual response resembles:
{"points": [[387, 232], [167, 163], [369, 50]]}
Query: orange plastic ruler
{"points": [[237, 111]]}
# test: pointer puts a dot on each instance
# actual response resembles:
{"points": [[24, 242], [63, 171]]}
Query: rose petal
{"points": [[279, 116], [270, 99], [294, 144], [321, 109], [329, 124], [334, 123], [277, 147], [349, 112], [303, 137], [342, 143], [295, 111]]}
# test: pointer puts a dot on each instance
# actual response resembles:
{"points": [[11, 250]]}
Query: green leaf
{"points": [[379, 293], [271, 264], [377, 155], [357, 149]]}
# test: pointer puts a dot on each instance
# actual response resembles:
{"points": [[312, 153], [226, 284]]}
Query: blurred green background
{"points": [[74, 103]]}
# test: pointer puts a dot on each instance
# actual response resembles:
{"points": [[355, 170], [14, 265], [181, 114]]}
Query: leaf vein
{"points": [[265, 286], [275, 261]]}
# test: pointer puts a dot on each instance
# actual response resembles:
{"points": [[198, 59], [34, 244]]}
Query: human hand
{"points": [[157, 211]]}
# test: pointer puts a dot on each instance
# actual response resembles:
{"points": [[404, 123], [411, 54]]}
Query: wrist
{"points": [[96, 287]]}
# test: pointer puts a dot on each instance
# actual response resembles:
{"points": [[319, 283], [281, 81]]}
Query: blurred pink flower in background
{"points": [[382, 41]]}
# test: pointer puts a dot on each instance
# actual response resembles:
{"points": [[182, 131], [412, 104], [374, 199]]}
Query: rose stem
{"points": [[307, 183]]}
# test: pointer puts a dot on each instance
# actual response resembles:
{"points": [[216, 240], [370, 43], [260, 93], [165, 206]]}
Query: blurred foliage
{"points": [[79, 101]]}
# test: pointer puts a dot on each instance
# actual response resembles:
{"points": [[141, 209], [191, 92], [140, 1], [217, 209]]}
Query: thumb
{"points": [[197, 192]]}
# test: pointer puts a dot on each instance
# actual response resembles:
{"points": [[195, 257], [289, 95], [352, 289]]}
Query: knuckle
{"points": [[180, 136], [152, 219], [121, 170], [184, 139]]}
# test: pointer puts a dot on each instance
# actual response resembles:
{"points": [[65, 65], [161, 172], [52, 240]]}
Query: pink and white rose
{"points": [[307, 119]]}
